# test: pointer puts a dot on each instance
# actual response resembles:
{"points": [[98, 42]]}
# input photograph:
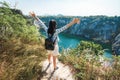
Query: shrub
{"points": [[86, 65]]}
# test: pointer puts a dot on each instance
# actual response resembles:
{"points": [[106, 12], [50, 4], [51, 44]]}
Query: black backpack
{"points": [[50, 43]]}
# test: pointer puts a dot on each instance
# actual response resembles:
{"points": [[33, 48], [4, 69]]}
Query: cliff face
{"points": [[116, 45], [98, 28]]}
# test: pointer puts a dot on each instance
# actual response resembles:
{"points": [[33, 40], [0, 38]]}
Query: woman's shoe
{"points": [[56, 68]]}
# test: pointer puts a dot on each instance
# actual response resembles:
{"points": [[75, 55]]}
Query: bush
{"points": [[86, 65]]}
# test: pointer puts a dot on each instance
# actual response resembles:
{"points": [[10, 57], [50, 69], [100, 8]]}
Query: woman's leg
{"points": [[55, 56], [49, 57], [54, 61]]}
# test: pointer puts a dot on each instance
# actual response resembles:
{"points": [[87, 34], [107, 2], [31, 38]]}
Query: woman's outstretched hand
{"points": [[32, 14], [76, 20]]}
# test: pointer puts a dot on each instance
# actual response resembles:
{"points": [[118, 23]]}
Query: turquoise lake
{"points": [[69, 41]]}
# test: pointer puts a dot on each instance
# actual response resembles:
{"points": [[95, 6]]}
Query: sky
{"points": [[68, 7]]}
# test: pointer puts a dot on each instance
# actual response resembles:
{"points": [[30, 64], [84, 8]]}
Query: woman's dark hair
{"points": [[52, 27]]}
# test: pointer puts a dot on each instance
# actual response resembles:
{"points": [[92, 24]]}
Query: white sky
{"points": [[68, 7]]}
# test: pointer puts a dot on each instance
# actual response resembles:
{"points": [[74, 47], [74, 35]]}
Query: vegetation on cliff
{"points": [[88, 63], [21, 46]]}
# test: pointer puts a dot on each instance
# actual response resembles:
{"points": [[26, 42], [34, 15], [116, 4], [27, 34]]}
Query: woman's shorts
{"points": [[55, 52]]}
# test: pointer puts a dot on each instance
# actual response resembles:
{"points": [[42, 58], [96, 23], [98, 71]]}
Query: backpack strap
{"points": [[55, 40], [51, 37]]}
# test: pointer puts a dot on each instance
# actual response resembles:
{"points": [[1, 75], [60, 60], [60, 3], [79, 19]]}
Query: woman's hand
{"points": [[32, 14], [76, 20]]}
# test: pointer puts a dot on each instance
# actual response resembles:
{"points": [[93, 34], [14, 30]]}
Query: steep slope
{"points": [[21, 47]]}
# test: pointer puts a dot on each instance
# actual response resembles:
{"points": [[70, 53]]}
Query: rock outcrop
{"points": [[116, 45]]}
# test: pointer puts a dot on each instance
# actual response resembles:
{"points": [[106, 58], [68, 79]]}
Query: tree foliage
{"points": [[15, 25], [88, 47]]}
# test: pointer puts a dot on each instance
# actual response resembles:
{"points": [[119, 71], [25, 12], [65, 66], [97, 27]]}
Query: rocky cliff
{"points": [[116, 45], [98, 28]]}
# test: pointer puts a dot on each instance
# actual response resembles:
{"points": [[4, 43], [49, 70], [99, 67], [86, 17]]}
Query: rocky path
{"points": [[62, 73]]}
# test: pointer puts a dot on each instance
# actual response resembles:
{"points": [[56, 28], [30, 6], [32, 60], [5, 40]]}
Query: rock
{"points": [[116, 45]]}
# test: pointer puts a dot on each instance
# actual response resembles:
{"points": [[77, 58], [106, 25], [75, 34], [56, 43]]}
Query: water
{"points": [[68, 41], [107, 53]]}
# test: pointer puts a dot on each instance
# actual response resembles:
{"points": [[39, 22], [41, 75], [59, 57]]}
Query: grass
{"points": [[20, 61]]}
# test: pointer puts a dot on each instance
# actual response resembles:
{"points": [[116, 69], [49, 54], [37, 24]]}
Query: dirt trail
{"points": [[62, 73]]}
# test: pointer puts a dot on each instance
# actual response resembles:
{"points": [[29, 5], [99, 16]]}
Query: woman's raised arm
{"points": [[34, 16], [74, 21], [38, 21]]}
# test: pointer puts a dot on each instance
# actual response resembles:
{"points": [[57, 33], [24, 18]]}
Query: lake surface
{"points": [[69, 41]]}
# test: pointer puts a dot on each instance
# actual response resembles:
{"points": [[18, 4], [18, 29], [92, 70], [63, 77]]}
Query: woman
{"points": [[52, 31]]}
